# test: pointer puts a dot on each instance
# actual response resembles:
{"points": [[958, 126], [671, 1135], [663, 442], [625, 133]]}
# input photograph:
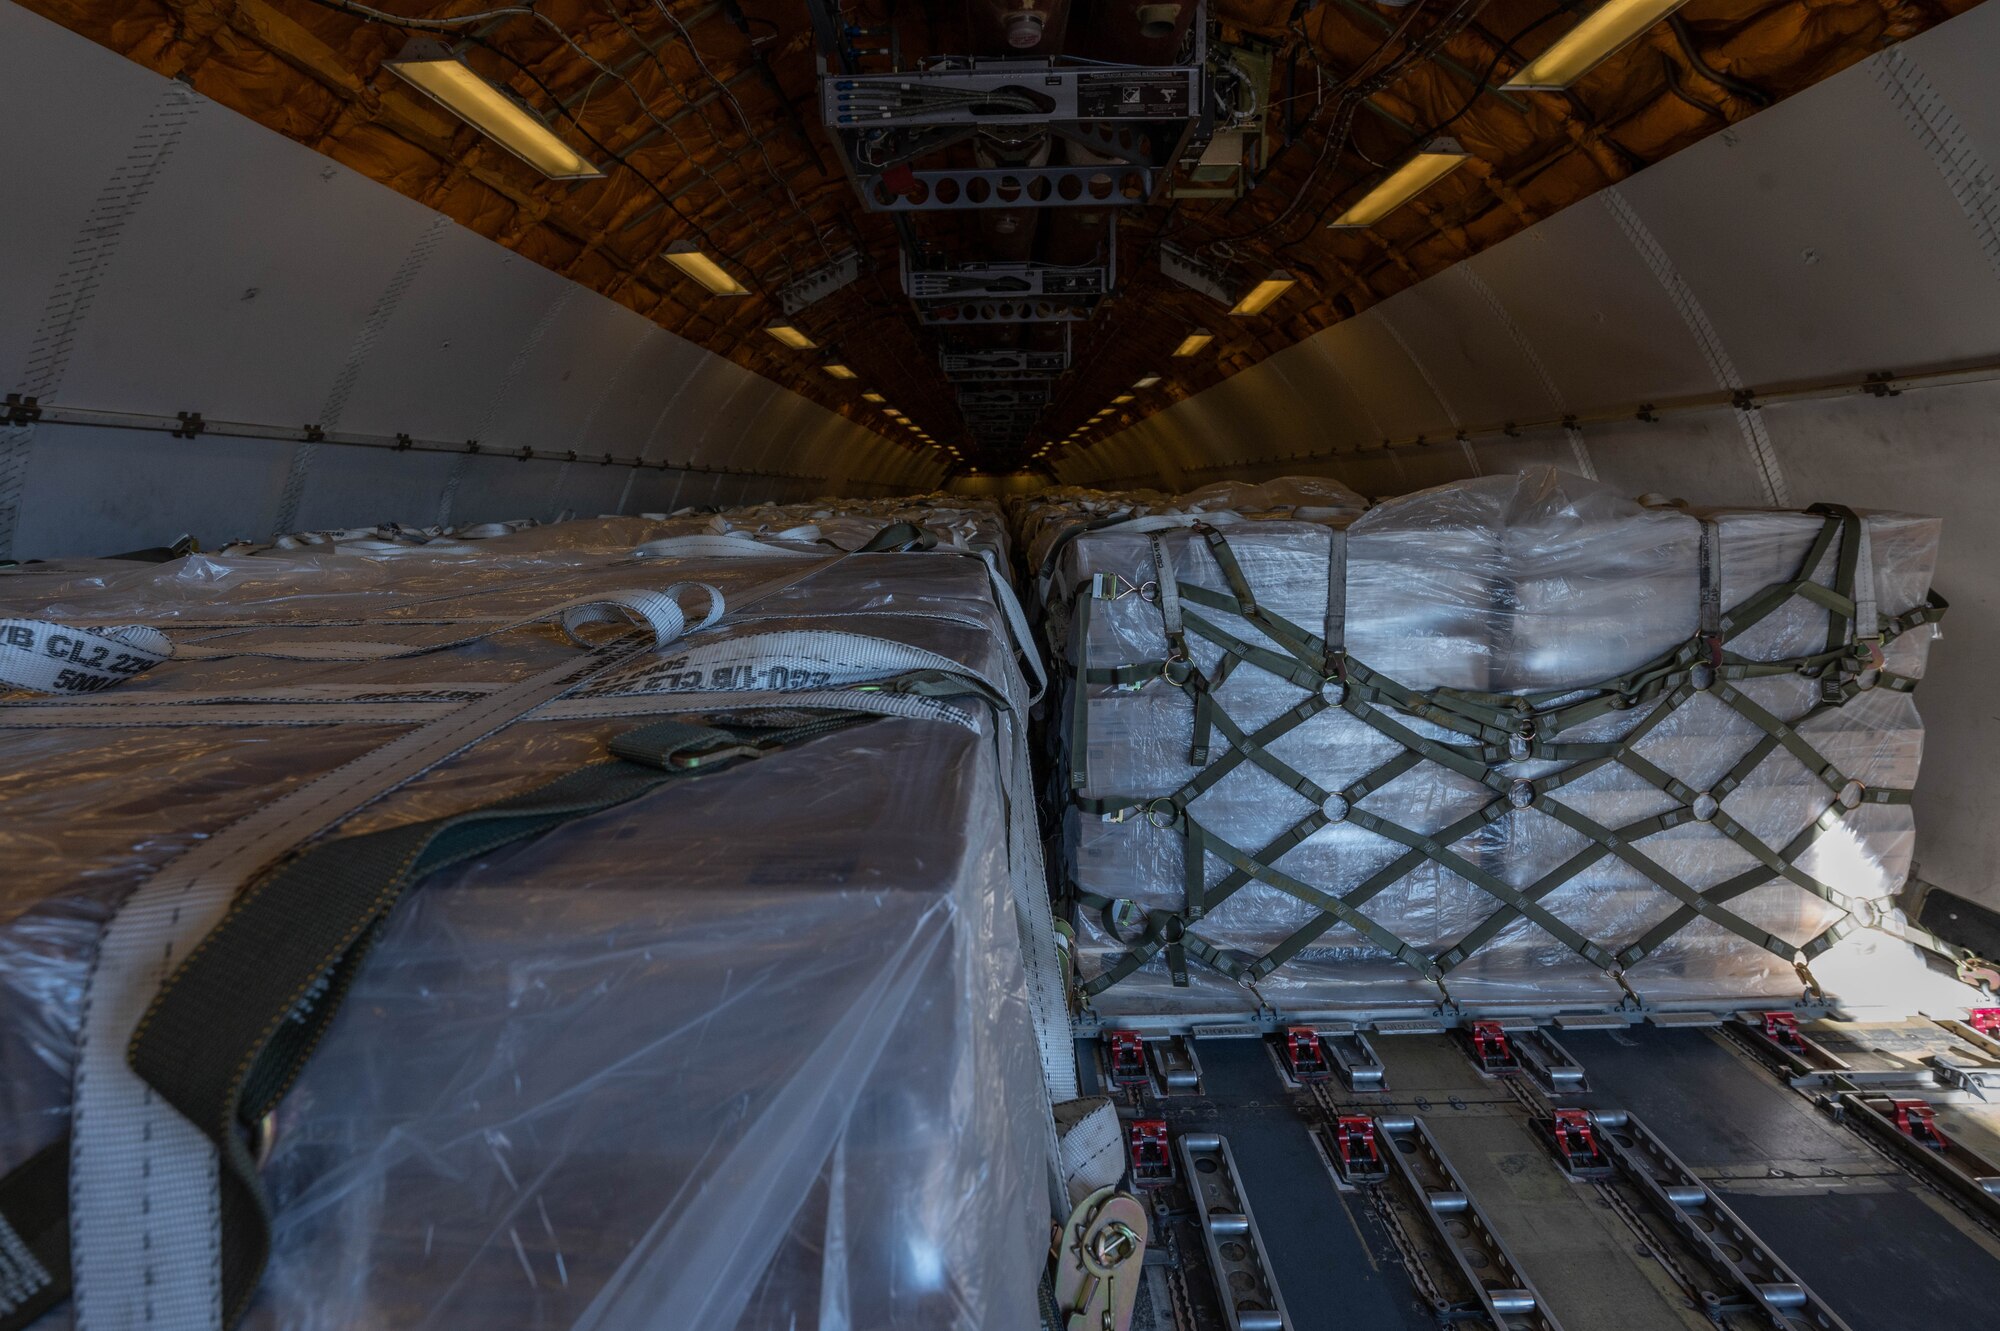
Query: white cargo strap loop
{"points": [[145, 1227], [660, 612], [45, 657]]}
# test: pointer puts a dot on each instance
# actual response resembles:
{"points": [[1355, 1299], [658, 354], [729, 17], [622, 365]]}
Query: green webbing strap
{"points": [[1305, 676], [1063, 538], [1313, 896], [1840, 623], [1126, 676], [1307, 650], [1168, 597], [898, 537], [235, 1024]]}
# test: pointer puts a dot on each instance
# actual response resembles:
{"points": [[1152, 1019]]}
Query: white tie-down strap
{"points": [[660, 612], [644, 606], [733, 545], [145, 1232], [1093, 1146], [45, 657], [784, 661], [145, 1228]]}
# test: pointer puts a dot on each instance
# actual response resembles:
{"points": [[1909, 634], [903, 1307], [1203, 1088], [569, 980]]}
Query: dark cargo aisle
{"points": [[1883, 1250]]}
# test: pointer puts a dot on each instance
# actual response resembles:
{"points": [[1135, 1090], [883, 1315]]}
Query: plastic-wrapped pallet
{"points": [[1564, 750], [1048, 522], [754, 1041]]}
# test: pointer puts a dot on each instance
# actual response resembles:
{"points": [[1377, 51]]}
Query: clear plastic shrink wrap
{"points": [[1538, 583], [755, 1051]]}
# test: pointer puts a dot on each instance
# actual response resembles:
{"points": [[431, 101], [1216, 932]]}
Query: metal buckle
{"points": [[688, 761], [264, 1139]]}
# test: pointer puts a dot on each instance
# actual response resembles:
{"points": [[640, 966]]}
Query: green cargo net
{"points": [[1488, 731]]}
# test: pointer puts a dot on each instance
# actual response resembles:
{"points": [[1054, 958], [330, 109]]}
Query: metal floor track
{"points": [[1708, 1181]]}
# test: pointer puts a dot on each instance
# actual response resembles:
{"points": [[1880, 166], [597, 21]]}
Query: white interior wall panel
{"points": [[178, 257], [1852, 230]]}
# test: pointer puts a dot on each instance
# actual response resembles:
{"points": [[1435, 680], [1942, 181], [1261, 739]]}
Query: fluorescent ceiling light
{"points": [[1148, 381], [839, 371], [791, 337], [1600, 35], [873, 397], [1121, 399], [1262, 296], [434, 71], [1194, 342], [683, 255], [1438, 160]]}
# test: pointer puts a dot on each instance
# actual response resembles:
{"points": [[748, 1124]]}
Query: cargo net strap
{"points": [[1492, 730]]}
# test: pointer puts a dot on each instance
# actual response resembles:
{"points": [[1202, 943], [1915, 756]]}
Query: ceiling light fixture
{"points": [[1121, 399], [433, 70], [873, 397], [1601, 34], [1194, 342], [1264, 294], [792, 337], [839, 371], [687, 256], [1147, 382], [1439, 158]]}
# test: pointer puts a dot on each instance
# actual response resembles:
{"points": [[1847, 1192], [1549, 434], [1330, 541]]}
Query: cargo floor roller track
{"points": [[1713, 1183]]}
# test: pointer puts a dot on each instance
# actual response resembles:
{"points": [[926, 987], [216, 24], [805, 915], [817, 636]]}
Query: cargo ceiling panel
{"points": [[709, 126], [1374, 386], [1590, 313], [1804, 243]]}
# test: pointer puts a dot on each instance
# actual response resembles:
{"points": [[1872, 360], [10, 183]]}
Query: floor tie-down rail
{"points": [[1421, 1192], [1241, 1265], [1910, 1128], [1743, 1282]]}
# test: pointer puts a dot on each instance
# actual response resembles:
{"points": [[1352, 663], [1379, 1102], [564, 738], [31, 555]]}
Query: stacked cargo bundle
{"points": [[1513, 744], [721, 966], [948, 520]]}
